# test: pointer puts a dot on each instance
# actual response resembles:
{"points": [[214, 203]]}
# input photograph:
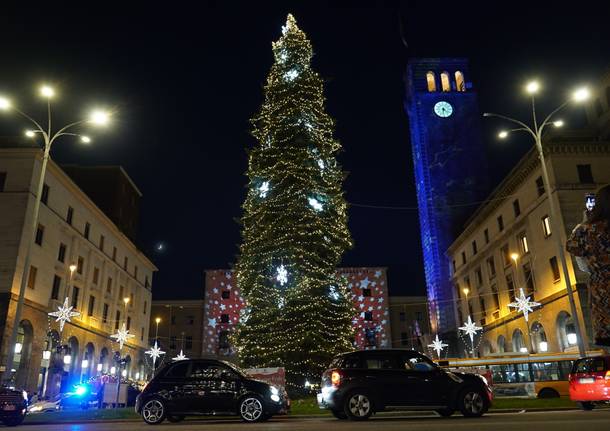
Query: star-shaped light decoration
{"points": [[122, 336], [180, 357], [523, 305], [155, 352], [364, 284], [282, 275], [438, 345], [64, 313], [471, 329]]}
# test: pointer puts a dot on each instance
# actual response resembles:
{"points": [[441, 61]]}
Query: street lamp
{"points": [[49, 136], [536, 131]]}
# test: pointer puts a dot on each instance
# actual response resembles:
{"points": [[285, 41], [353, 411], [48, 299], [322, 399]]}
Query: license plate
{"points": [[9, 407], [586, 380], [319, 396]]}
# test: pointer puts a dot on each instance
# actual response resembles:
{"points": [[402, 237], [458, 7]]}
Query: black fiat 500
{"points": [[358, 384], [207, 387]]}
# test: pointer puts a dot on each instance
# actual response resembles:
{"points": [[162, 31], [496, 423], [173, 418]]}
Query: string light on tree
{"points": [[63, 314], [438, 346], [122, 336], [523, 304]]}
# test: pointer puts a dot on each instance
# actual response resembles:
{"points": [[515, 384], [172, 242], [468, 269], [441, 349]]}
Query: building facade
{"points": [[410, 322], [108, 268], [444, 122], [509, 244], [180, 327], [224, 303]]}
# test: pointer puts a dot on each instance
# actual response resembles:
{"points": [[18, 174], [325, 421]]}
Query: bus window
{"points": [[503, 374], [565, 368], [523, 372], [546, 371]]}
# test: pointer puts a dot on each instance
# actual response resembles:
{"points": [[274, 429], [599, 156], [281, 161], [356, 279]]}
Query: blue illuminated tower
{"points": [[450, 172]]}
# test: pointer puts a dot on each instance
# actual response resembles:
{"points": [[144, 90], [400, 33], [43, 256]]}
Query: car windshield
{"points": [[235, 368]]}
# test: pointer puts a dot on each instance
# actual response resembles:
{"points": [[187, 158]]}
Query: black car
{"points": [[13, 406], [358, 384], [207, 387]]}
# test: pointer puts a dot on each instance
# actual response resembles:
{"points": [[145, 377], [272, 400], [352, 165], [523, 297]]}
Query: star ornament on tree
{"points": [[523, 305], [64, 313], [282, 275], [471, 329], [155, 352], [438, 345], [122, 336], [180, 357]]}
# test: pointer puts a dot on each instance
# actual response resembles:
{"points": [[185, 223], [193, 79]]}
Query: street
{"points": [[539, 421]]}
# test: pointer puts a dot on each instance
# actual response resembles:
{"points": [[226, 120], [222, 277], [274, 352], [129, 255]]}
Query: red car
{"points": [[590, 381]]}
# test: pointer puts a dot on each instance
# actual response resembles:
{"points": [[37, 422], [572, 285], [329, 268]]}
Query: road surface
{"points": [[572, 420]]}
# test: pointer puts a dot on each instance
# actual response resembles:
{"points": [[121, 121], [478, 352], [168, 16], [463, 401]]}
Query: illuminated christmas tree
{"points": [[294, 226]]}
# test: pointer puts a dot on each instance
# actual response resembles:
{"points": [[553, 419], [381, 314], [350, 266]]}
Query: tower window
{"points": [[431, 79], [460, 85], [585, 176], [445, 84]]}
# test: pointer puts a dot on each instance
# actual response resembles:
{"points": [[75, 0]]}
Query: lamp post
{"points": [[536, 131], [49, 136]]}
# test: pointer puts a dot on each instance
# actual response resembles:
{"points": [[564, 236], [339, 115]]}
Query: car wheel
{"points": [[153, 411], [251, 409], [358, 406], [586, 405], [339, 414], [472, 402], [14, 421], [548, 393], [445, 412], [175, 418]]}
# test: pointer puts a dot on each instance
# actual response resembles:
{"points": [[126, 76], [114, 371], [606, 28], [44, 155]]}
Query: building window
{"points": [[500, 223], [102, 242], [135, 272], [402, 316], [61, 255], [486, 235], [463, 258], [128, 323], [87, 230], [495, 296], [525, 248], [491, 266], [546, 226], [32, 277], [188, 342], [467, 282], [460, 85], [96, 275], [44, 197], [474, 247], [91, 305], [114, 253], [226, 294], [116, 320], [145, 307], [105, 314], [2, 181], [75, 293], [80, 264], [506, 255], [404, 338], [56, 286], [366, 292], [529, 280], [109, 285], [510, 287], [131, 299], [125, 263], [121, 291], [585, 176], [368, 315], [224, 318], [482, 305], [70, 215], [555, 269], [445, 84], [539, 186], [190, 320], [142, 334], [516, 207], [39, 234], [431, 80], [146, 283], [479, 276]]}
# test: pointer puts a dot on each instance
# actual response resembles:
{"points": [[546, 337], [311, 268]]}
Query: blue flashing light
{"points": [[80, 390]]}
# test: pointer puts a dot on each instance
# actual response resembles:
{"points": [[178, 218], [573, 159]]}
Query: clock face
{"points": [[443, 109]]}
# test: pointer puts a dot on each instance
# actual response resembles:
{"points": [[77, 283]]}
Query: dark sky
{"points": [[185, 80]]}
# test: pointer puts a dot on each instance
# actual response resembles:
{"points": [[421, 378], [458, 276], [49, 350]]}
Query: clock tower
{"points": [[450, 173]]}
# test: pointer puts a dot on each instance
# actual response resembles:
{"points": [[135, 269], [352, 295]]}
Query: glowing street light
{"points": [[5, 104], [100, 118], [532, 87], [85, 139], [514, 257], [558, 123], [503, 134], [30, 133], [47, 91], [466, 291], [581, 94]]}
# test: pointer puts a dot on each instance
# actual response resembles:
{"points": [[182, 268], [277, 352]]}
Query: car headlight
{"points": [[25, 395], [274, 390]]}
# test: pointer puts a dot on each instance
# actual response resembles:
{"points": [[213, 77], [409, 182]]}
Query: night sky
{"points": [[185, 81]]}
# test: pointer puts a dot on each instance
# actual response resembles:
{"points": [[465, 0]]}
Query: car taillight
{"points": [[335, 378]]}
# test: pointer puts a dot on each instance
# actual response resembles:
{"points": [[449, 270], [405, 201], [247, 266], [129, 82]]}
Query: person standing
{"points": [[591, 240]]}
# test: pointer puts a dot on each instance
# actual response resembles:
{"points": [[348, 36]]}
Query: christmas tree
{"points": [[294, 226]]}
